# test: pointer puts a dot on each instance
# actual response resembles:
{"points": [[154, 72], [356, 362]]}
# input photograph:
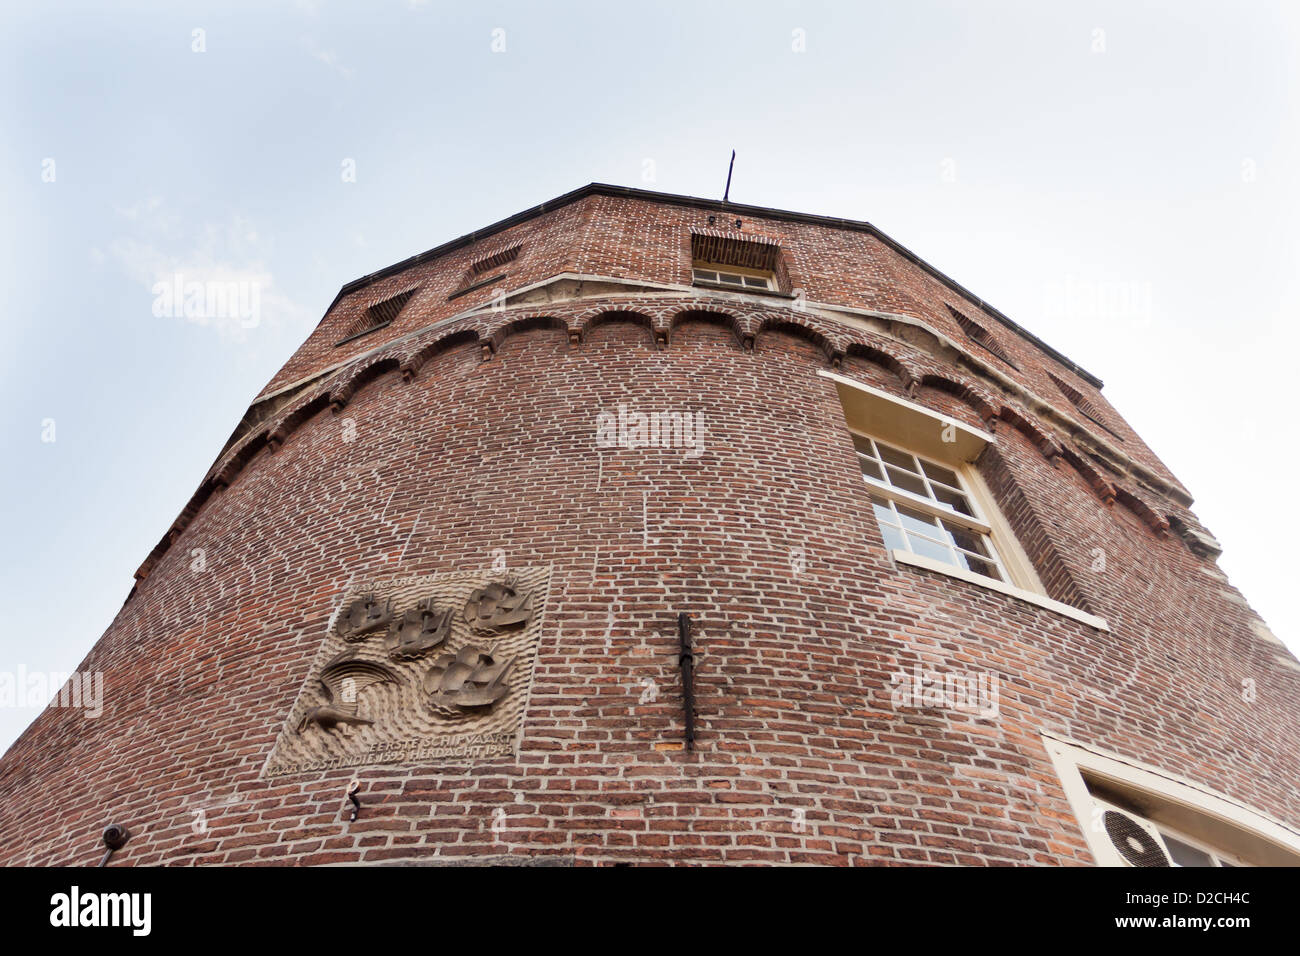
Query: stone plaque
{"points": [[426, 669]]}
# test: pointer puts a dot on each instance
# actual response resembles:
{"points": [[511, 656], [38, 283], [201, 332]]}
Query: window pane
{"points": [[756, 283], [919, 522], [1184, 855], [907, 481], [871, 468], [729, 279], [954, 500], [883, 512], [930, 549], [924, 534], [893, 538], [986, 568], [967, 540], [939, 473], [895, 457]]}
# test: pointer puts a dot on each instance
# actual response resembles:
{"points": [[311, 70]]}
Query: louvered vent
{"points": [[1133, 841], [723, 248], [378, 315], [495, 261], [1079, 400], [980, 335]]}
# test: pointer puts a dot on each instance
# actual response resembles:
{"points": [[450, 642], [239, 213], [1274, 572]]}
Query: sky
{"points": [[1118, 178]]}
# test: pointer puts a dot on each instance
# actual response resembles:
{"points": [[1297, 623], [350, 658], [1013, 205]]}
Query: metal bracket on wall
{"points": [[353, 788], [686, 660], [115, 837]]}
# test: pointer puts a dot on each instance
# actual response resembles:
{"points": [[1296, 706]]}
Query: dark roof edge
{"points": [[605, 189]]}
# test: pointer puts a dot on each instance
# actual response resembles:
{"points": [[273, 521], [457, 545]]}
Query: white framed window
{"points": [[1142, 842], [1133, 814], [734, 276], [934, 508], [926, 508]]}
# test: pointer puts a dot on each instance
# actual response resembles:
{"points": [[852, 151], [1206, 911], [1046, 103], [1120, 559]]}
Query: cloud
{"points": [[216, 279], [328, 57], [146, 208]]}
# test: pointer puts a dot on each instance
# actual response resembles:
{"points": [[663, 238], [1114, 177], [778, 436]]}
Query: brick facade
{"points": [[470, 427]]}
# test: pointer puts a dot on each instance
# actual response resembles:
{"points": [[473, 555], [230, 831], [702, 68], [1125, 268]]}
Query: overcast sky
{"points": [[1119, 178]]}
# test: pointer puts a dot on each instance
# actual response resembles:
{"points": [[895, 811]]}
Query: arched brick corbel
{"points": [[1040, 439], [592, 318], [969, 395], [279, 433], [886, 360], [223, 479], [411, 365], [801, 327], [747, 326], [340, 392], [1103, 488], [734, 321], [520, 324], [1152, 519]]}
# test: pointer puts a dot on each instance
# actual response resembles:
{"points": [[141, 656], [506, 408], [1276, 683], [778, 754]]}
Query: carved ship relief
{"points": [[363, 617], [457, 652], [418, 631], [497, 606], [467, 680]]}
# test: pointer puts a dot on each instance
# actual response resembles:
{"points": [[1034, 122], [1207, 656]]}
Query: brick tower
{"points": [[641, 528]]}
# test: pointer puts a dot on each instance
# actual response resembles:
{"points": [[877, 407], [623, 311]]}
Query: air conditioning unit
{"points": [[1136, 840]]}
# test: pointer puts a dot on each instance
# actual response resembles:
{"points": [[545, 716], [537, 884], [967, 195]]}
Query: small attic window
{"points": [[732, 260], [981, 336], [733, 276], [378, 315], [1082, 403]]}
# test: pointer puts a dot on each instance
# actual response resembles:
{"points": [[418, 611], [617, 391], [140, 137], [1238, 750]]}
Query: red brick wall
{"points": [[766, 539]]}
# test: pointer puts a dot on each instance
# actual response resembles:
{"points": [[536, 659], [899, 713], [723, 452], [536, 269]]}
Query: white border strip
{"points": [[982, 436], [992, 584], [1071, 758]]}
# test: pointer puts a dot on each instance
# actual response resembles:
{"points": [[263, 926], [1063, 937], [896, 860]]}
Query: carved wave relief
{"points": [[428, 668]]}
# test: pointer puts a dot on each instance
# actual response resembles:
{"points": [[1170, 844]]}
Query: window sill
{"points": [[363, 332], [776, 293], [1029, 597], [477, 285]]}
